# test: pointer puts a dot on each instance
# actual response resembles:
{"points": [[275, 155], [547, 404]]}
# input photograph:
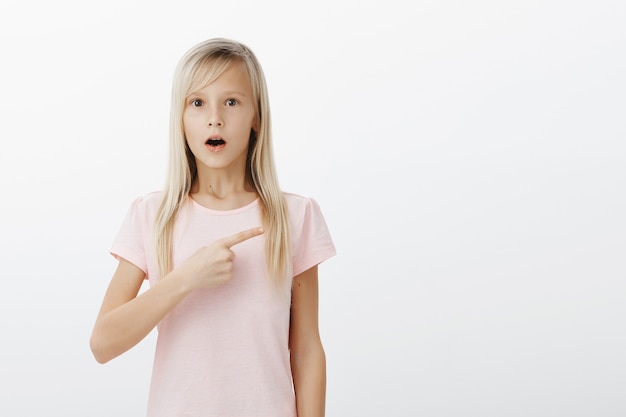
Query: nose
{"points": [[215, 119]]}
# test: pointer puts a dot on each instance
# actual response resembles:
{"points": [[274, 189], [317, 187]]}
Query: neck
{"points": [[219, 186], [222, 190]]}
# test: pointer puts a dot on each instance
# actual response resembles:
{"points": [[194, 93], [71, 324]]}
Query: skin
{"points": [[224, 108], [308, 360]]}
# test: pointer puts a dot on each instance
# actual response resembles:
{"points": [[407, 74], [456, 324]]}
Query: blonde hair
{"points": [[200, 66]]}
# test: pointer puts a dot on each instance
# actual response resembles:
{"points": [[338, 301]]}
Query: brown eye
{"points": [[231, 102], [197, 102]]}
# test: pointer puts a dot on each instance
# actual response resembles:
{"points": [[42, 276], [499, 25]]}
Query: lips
{"points": [[215, 143]]}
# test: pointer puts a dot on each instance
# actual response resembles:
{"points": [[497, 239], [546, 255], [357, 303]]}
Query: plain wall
{"points": [[469, 158]]}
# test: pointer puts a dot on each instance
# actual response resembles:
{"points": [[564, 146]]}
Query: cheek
{"points": [[189, 126], [253, 121], [185, 121]]}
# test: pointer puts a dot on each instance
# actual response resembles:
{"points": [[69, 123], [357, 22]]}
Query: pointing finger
{"points": [[241, 236]]}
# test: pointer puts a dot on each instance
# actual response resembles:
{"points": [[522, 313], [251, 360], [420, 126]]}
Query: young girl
{"points": [[231, 259]]}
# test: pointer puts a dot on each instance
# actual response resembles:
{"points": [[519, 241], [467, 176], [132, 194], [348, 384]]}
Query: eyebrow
{"points": [[225, 93], [235, 92]]}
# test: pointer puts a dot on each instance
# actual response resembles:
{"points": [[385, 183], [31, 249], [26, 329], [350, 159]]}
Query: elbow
{"points": [[308, 355], [98, 350]]}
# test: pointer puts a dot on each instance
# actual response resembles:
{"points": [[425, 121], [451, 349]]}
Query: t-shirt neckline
{"points": [[243, 208]]}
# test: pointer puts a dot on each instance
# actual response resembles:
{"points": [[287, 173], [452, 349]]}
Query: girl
{"points": [[231, 260]]}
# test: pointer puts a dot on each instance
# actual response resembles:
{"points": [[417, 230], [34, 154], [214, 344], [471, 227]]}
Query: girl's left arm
{"points": [[308, 360]]}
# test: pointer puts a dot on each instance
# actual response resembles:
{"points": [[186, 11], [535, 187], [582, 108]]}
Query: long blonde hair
{"points": [[200, 66]]}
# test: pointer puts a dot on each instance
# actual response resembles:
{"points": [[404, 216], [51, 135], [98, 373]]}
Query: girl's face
{"points": [[217, 120]]}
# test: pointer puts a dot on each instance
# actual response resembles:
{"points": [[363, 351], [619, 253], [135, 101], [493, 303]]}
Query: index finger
{"points": [[233, 240]]}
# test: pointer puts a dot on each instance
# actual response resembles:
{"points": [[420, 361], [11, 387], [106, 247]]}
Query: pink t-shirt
{"points": [[224, 351]]}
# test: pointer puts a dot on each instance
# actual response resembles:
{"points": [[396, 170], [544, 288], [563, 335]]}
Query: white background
{"points": [[469, 158]]}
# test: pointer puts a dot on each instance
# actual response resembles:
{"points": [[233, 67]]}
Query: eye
{"points": [[231, 102], [196, 102]]}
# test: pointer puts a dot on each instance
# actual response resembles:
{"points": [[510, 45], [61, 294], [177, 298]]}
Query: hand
{"points": [[212, 265]]}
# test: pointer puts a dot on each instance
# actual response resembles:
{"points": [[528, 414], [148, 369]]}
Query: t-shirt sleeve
{"points": [[312, 241], [130, 241]]}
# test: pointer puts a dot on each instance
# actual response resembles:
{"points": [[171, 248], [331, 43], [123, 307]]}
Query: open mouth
{"points": [[215, 142]]}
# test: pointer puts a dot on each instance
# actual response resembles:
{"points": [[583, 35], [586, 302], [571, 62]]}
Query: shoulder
{"points": [[146, 205], [151, 199], [302, 209], [295, 201], [311, 240], [299, 205]]}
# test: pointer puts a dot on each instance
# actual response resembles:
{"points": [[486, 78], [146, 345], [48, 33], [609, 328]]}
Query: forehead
{"points": [[220, 73]]}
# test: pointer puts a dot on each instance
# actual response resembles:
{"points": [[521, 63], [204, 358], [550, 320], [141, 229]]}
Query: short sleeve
{"points": [[312, 241], [130, 241]]}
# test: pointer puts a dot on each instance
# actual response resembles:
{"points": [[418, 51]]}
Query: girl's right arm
{"points": [[125, 318]]}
